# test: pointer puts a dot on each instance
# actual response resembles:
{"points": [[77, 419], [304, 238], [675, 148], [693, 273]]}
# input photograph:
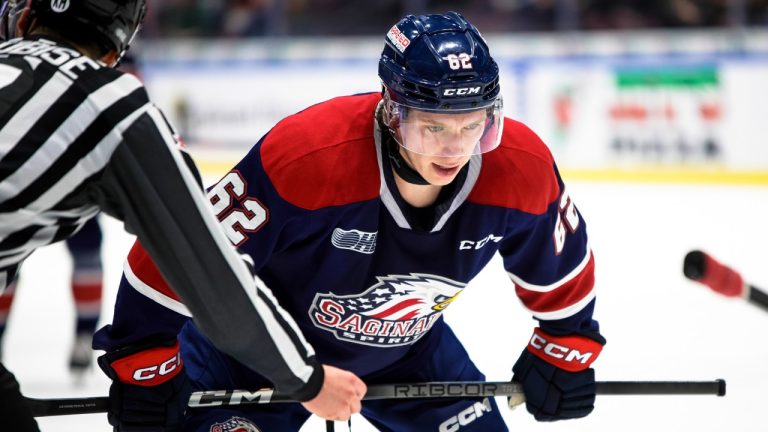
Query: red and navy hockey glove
{"points": [[149, 388], [555, 374]]}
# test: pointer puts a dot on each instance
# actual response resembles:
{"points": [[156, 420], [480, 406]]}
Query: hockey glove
{"points": [[149, 390], [555, 374]]}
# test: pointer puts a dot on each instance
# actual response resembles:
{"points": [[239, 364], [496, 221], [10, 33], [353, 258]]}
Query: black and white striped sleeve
{"points": [[148, 185]]}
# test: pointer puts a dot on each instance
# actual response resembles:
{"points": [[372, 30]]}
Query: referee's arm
{"points": [[149, 186]]}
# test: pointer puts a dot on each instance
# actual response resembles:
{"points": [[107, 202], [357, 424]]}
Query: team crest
{"points": [[235, 424], [398, 310]]}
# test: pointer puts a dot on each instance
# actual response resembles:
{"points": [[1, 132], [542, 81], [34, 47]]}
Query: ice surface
{"points": [[659, 325]]}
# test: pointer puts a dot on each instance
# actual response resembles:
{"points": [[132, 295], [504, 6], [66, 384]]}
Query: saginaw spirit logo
{"points": [[398, 310], [235, 424]]}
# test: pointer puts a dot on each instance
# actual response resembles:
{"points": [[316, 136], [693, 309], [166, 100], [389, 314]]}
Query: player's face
{"points": [[442, 134], [448, 133], [437, 170], [443, 142]]}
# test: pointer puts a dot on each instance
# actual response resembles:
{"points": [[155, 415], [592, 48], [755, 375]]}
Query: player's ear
{"points": [[24, 23], [110, 58]]}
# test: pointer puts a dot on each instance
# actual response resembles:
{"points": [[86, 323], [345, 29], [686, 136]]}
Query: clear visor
{"points": [[446, 133]]}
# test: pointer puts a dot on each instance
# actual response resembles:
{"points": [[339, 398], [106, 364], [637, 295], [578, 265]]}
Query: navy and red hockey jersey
{"points": [[315, 206]]}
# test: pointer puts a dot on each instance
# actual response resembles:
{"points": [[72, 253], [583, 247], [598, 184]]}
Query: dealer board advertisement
{"points": [[669, 105]]}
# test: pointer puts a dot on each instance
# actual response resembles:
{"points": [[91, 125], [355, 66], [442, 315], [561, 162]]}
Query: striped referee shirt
{"points": [[77, 138]]}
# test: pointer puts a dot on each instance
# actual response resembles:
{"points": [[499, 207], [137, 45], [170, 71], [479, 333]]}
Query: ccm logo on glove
{"points": [[150, 367], [571, 353]]}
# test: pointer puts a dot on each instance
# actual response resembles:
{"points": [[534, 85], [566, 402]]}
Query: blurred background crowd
{"points": [[247, 18]]}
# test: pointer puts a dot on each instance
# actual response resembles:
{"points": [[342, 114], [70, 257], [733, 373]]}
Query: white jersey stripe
{"points": [[80, 119], [386, 195], [565, 312], [287, 349], [13, 259], [25, 118], [89, 165], [42, 237], [473, 172], [153, 294], [8, 75], [553, 286]]}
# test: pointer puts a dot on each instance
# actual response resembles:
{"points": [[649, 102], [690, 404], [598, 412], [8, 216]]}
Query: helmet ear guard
{"points": [[390, 114]]}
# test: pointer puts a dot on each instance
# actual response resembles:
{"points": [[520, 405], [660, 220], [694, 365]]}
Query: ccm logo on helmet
{"points": [[461, 91], [155, 371]]}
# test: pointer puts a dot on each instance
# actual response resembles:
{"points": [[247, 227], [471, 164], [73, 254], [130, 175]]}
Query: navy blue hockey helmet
{"points": [[111, 24], [440, 64]]}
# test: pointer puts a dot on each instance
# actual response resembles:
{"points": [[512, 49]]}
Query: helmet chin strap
{"points": [[401, 167]]}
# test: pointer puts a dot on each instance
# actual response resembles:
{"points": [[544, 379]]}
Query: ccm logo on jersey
{"points": [[571, 353], [469, 244], [466, 416], [461, 91]]}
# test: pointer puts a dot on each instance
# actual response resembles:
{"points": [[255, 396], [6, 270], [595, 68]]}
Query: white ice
{"points": [[659, 325]]}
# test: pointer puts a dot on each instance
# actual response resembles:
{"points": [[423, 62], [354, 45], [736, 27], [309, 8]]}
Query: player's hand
{"points": [[340, 396], [555, 374], [149, 388]]}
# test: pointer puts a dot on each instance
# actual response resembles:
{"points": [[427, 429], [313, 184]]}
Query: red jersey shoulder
{"points": [[146, 271], [519, 174], [325, 155]]}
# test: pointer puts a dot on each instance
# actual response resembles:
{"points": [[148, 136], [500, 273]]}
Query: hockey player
{"points": [[367, 215], [86, 284], [77, 137]]}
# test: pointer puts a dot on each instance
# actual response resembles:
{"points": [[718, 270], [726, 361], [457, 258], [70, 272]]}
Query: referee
{"points": [[78, 137]]}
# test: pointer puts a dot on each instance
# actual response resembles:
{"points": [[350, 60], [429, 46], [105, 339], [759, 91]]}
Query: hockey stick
{"points": [[701, 267], [459, 389], [56, 407]]}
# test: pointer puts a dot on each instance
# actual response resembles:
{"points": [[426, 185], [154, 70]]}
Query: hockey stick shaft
{"points": [[426, 390], [56, 407], [757, 297]]}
